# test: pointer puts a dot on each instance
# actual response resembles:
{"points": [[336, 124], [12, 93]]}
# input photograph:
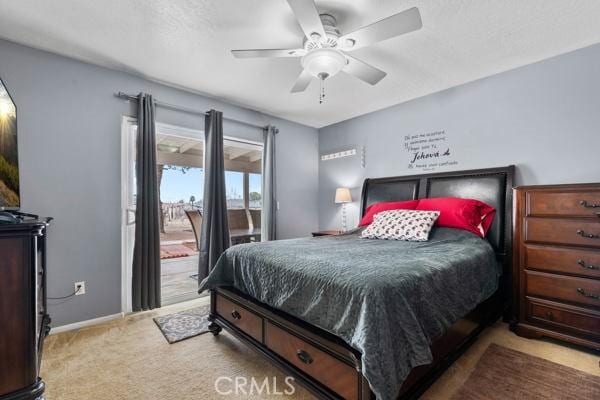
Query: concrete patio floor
{"points": [[176, 283]]}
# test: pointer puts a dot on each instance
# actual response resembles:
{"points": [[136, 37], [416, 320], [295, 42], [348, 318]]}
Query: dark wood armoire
{"points": [[24, 321]]}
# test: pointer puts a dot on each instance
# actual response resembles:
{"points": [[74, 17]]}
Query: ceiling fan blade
{"points": [[260, 53], [363, 71], [302, 82], [308, 17], [395, 25]]}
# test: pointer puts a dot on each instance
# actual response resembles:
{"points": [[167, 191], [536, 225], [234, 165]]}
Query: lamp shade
{"points": [[342, 195]]}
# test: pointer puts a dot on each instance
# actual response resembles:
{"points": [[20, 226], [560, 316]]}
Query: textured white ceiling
{"points": [[187, 42]]}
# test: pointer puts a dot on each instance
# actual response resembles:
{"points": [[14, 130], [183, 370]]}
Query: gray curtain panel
{"points": [[215, 227], [269, 203], [146, 252]]}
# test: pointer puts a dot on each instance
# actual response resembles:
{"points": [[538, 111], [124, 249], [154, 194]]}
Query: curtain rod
{"points": [[131, 97]]}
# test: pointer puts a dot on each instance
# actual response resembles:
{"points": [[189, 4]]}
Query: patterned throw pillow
{"points": [[411, 225]]}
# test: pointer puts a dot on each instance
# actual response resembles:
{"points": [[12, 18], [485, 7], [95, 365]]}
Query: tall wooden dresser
{"points": [[557, 263], [23, 316]]}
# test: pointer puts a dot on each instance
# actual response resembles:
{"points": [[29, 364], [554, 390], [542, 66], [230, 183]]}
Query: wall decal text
{"points": [[428, 151]]}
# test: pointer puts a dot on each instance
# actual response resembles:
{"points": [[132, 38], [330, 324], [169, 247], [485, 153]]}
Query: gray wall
{"points": [[69, 150], [544, 117]]}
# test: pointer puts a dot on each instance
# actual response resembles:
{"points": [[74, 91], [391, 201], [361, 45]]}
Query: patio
{"points": [[178, 156], [178, 283], [179, 261]]}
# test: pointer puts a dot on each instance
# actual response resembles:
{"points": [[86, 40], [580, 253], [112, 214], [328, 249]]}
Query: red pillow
{"points": [[386, 206], [468, 214]]}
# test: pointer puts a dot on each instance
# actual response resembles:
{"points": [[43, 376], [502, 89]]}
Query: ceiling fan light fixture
{"points": [[326, 51], [324, 62]]}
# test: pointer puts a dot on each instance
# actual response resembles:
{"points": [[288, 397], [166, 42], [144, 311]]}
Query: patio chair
{"points": [[195, 217], [238, 220], [255, 218]]}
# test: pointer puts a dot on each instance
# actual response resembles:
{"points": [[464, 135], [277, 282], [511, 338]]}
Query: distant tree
{"points": [[255, 196], [159, 174], [179, 168]]}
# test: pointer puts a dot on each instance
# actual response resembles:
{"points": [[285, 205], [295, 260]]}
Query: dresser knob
{"points": [[549, 315], [304, 357], [582, 233], [587, 266], [583, 293], [585, 204], [236, 315]]}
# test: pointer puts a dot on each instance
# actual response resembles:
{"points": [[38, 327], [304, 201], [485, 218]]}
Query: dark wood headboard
{"points": [[493, 186]]}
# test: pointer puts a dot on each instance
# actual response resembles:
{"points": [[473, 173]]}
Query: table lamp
{"points": [[342, 196]]}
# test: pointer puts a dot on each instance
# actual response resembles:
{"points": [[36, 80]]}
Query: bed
{"points": [[356, 318]]}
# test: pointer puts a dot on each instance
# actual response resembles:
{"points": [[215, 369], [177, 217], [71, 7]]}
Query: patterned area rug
{"points": [[503, 374], [184, 324], [176, 250]]}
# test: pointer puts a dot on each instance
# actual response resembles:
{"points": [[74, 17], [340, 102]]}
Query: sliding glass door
{"points": [[243, 165], [180, 172], [180, 163]]}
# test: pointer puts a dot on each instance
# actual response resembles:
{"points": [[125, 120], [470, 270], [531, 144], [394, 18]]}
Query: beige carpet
{"points": [[130, 359]]}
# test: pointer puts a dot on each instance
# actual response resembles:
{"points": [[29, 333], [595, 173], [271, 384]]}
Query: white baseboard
{"points": [[84, 324]]}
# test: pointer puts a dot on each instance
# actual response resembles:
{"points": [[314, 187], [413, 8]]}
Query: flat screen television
{"points": [[9, 155]]}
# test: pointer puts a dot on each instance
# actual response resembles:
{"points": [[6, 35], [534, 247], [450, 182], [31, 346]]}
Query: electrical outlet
{"points": [[79, 288]]}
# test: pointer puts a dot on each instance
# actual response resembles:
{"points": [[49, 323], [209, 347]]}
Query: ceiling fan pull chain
{"points": [[321, 91]]}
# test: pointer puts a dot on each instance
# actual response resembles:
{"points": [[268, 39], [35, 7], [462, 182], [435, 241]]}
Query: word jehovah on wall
{"points": [[429, 151]]}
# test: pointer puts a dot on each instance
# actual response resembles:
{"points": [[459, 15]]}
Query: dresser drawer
{"points": [[239, 316], [566, 288], [563, 260], [563, 231], [323, 367], [584, 321], [564, 203]]}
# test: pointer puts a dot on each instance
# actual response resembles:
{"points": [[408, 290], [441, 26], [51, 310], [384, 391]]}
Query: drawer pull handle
{"points": [[582, 292], [236, 315], [582, 233], [589, 205], [304, 357], [549, 315], [587, 266]]}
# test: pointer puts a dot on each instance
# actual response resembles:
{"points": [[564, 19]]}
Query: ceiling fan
{"points": [[324, 50]]}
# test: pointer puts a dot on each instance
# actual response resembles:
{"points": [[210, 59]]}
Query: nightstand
{"points": [[327, 233]]}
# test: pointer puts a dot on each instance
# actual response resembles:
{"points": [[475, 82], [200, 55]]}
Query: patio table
{"points": [[244, 235]]}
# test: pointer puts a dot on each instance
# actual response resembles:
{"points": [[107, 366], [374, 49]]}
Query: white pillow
{"points": [[411, 225]]}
